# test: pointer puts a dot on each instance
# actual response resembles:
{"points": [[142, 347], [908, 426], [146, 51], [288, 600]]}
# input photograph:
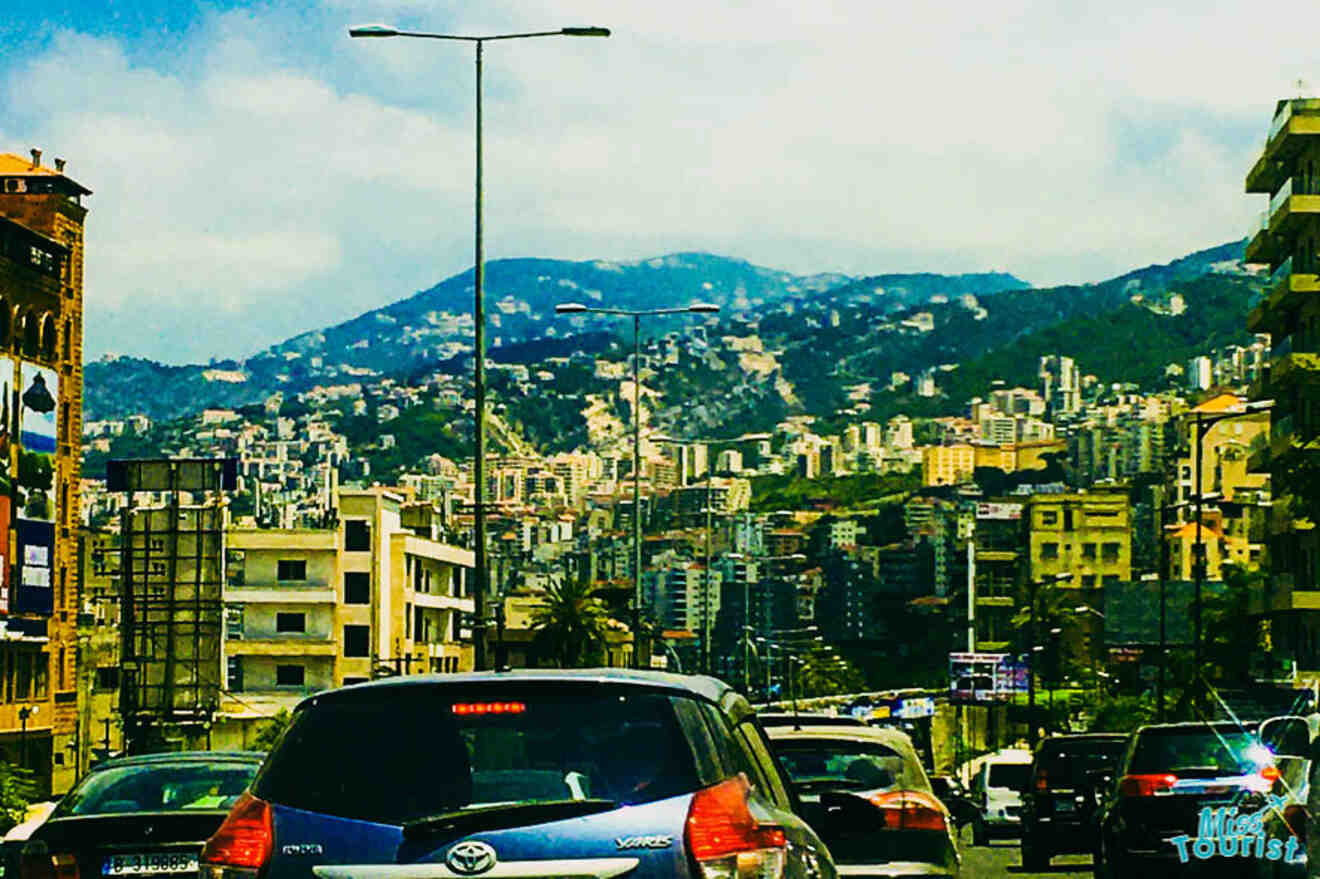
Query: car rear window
{"points": [[1204, 751], [1013, 776], [158, 787], [1067, 764], [397, 753], [830, 764]]}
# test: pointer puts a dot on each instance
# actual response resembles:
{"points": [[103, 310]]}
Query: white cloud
{"points": [[273, 170]]}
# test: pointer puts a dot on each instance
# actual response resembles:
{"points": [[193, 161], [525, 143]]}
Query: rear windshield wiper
{"points": [[500, 815]]}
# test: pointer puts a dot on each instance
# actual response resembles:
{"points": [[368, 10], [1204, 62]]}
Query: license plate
{"points": [[150, 864], [1065, 806]]}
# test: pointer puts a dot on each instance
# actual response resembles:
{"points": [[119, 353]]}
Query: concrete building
{"points": [[41, 326], [1287, 240]]}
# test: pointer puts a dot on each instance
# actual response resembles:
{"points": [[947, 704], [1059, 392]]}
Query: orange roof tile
{"points": [[1188, 531], [1222, 403], [17, 166]]}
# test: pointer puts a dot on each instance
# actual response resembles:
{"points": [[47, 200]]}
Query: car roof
{"points": [[708, 688], [182, 757], [783, 718]]}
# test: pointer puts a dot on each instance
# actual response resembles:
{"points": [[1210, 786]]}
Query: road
{"points": [[1000, 859]]}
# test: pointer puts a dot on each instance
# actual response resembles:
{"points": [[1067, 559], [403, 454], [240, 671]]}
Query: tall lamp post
{"points": [[479, 310], [636, 315], [705, 586], [1203, 422], [1035, 585], [1095, 671], [23, 714]]}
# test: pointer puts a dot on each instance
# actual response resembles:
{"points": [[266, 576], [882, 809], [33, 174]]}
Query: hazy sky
{"points": [[257, 173]]}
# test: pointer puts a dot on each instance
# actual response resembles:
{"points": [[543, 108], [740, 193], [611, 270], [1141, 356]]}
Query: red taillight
{"points": [[1295, 817], [1270, 774], [38, 863], [727, 840], [1042, 779], [910, 810], [244, 840], [1145, 785], [488, 707]]}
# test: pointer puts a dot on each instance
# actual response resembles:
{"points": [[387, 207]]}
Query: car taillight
{"points": [[1145, 785], [242, 845], [1295, 817], [909, 810], [38, 863], [726, 839], [1042, 779]]}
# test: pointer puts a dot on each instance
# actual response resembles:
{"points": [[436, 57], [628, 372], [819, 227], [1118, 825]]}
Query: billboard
{"points": [[34, 494], [985, 677], [986, 510]]}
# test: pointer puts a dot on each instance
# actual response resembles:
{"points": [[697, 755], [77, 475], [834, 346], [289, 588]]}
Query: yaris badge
{"points": [[470, 858]]}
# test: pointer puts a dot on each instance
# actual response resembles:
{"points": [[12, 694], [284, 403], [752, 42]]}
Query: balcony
{"points": [[1290, 131], [1258, 238], [1295, 367], [1282, 596], [1291, 204], [280, 593], [267, 644], [1285, 293]]}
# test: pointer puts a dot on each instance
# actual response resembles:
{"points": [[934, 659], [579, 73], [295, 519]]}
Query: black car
{"points": [[139, 816], [552, 774], [1058, 806], [1152, 811]]}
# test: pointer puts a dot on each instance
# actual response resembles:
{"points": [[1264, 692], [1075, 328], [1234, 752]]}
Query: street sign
{"points": [[986, 510], [659, 661], [919, 706], [984, 677]]}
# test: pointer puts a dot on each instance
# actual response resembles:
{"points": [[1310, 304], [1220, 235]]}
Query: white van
{"points": [[996, 789]]}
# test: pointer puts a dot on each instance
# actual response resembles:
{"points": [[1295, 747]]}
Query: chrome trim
{"points": [[561, 868]]}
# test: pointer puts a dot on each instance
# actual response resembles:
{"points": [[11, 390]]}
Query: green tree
{"points": [[269, 733], [1232, 635], [17, 787], [570, 624], [825, 674]]}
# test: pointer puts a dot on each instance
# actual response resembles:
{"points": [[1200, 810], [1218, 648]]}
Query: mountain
{"points": [[433, 328]]}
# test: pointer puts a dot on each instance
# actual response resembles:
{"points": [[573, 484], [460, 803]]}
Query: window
{"points": [[357, 536], [1049, 517], [357, 640], [1088, 581], [1109, 552], [291, 622], [107, 677], [1049, 550], [1088, 551], [291, 569], [357, 588], [1067, 520], [290, 675]]}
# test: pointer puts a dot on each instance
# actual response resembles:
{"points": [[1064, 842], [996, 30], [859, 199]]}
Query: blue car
{"points": [[590, 773]]}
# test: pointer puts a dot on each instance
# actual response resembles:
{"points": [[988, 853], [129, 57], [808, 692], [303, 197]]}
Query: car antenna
{"points": [[792, 695]]}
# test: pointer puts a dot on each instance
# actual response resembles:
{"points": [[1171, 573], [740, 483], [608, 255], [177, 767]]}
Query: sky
{"points": [[256, 173]]}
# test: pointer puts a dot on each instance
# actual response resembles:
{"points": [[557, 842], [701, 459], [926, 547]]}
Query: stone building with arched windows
{"points": [[41, 317]]}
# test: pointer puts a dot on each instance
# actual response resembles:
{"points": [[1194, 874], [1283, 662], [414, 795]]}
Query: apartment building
{"points": [[1287, 240], [41, 315], [1086, 535]]}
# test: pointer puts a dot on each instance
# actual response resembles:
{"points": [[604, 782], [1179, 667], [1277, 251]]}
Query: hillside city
{"points": [[838, 491]]}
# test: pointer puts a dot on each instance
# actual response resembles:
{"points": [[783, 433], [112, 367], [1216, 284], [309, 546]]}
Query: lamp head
{"points": [[570, 308], [373, 30], [585, 31], [703, 308]]}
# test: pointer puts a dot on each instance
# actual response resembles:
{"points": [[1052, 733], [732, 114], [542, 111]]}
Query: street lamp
{"points": [[1198, 564], [23, 714], [705, 588], [1095, 672], [636, 315], [1035, 585], [479, 309]]}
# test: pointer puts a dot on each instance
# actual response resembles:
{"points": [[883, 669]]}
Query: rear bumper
{"points": [[896, 869]]}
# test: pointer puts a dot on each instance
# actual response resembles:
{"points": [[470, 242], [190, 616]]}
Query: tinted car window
{"points": [[815, 764], [158, 788], [1067, 764], [1227, 751], [391, 754], [1013, 776]]}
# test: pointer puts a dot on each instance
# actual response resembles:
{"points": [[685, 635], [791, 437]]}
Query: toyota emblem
{"points": [[470, 858]]}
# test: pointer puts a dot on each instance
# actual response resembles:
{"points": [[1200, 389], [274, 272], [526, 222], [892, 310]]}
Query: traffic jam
{"points": [[608, 773]]}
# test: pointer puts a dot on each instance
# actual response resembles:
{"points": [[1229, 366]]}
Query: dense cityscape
{"points": [[900, 574]]}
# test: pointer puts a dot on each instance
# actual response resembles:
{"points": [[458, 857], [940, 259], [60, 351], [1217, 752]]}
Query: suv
{"points": [[582, 773], [1168, 774], [1058, 808]]}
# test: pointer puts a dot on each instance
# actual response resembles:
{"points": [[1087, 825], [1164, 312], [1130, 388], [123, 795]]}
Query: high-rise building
{"points": [[41, 314], [1287, 239]]}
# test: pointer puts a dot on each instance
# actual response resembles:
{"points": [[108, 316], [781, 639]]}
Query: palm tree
{"points": [[570, 624]]}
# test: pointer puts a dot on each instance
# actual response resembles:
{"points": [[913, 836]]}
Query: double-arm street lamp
{"points": [[1034, 586], [705, 586], [636, 315], [479, 311]]}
